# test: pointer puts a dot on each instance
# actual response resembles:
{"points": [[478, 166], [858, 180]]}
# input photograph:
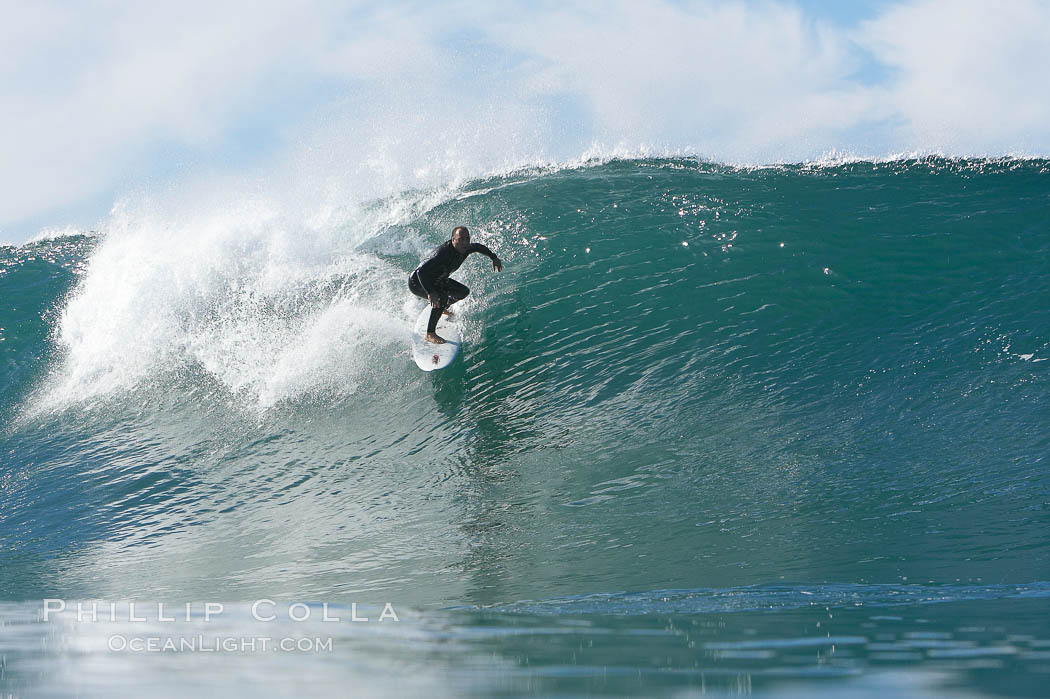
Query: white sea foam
{"points": [[269, 305], [268, 286]]}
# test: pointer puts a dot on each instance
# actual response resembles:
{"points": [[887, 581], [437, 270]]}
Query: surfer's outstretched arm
{"points": [[496, 264]]}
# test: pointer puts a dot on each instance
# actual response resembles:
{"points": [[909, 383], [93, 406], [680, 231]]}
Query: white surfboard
{"points": [[429, 356]]}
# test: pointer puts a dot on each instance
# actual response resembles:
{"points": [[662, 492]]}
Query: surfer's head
{"points": [[461, 239]]}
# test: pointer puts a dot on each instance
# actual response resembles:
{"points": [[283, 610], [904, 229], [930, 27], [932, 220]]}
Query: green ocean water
{"points": [[778, 430]]}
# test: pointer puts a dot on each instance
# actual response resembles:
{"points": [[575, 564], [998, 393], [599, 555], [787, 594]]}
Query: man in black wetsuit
{"points": [[430, 279]]}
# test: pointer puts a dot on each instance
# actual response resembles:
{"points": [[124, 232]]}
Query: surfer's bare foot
{"points": [[448, 313], [435, 338]]}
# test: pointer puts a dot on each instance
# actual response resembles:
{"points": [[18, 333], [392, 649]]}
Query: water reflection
{"points": [[994, 646]]}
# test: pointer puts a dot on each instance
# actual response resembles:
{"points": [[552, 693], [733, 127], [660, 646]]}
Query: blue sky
{"points": [[111, 102]]}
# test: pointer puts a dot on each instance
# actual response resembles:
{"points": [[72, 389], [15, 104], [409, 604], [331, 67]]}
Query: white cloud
{"points": [[372, 98], [740, 81], [969, 76], [110, 83]]}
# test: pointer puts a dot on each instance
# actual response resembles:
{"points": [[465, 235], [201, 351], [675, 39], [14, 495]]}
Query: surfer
{"points": [[430, 279]]}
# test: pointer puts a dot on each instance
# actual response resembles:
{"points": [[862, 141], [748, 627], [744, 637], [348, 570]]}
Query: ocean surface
{"points": [[777, 430]]}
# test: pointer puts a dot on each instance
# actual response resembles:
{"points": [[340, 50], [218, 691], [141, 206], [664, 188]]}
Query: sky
{"points": [[105, 102]]}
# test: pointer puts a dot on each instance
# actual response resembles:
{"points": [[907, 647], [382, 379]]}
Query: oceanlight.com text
{"points": [[120, 643]]}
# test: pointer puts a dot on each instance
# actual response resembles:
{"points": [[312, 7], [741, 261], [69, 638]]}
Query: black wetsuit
{"points": [[431, 277]]}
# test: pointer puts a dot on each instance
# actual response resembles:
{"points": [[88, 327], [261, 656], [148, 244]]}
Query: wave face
{"points": [[687, 377]]}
